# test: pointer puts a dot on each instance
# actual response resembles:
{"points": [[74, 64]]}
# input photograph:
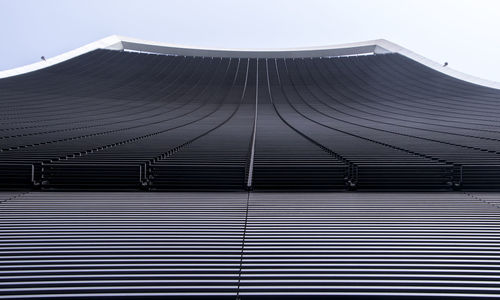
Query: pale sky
{"points": [[466, 34]]}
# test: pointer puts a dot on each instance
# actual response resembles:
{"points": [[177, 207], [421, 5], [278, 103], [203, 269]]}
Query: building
{"points": [[132, 168]]}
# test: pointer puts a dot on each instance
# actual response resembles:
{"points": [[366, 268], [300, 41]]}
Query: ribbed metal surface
{"points": [[4, 196], [284, 157], [110, 120], [134, 244], [282, 244], [218, 157], [358, 244]]}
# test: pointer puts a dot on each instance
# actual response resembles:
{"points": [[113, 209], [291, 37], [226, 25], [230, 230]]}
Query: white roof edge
{"points": [[110, 42], [165, 48], [394, 48], [379, 46]]}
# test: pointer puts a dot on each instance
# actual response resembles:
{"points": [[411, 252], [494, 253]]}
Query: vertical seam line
{"points": [[242, 249]]}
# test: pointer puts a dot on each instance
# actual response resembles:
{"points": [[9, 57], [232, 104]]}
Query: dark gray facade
{"points": [[112, 120], [141, 175]]}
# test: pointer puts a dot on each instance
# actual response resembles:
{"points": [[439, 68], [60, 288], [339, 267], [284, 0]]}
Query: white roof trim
{"points": [[111, 42], [115, 42], [394, 48], [164, 48]]}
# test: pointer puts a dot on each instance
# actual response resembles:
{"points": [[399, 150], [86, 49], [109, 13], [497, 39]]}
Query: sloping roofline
{"points": [[379, 46]]}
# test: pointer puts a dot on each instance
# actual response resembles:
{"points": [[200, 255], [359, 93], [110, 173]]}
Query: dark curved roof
{"points": [[127, 121]]}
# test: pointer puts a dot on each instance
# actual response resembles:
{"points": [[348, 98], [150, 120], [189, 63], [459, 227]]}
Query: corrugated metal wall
{"points": [[109, 120], [249, 244]]}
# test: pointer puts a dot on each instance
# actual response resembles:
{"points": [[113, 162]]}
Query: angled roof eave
{"points": [[379, 46], [395, 48], [110, 42]]}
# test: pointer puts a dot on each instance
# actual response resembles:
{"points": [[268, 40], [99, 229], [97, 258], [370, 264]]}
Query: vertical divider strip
{"points": [[242, 247], [252, 148]]}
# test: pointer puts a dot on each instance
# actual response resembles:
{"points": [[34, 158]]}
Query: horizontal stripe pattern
{"points": [[229, 244], [378, 244], [73, 244], [121, 121]]}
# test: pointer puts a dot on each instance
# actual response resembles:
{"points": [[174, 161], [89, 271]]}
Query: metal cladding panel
{"points": [[274, 124], [112, 120], [121, 244], [371, 244], [248, 245]]}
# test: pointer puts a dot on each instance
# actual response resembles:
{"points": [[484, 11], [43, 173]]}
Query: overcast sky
{"points": [[466, 34]]}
